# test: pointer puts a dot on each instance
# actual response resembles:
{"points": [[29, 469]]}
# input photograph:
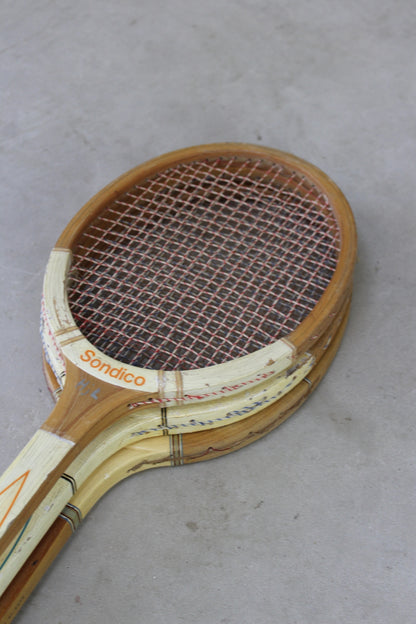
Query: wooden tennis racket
{"points": [[157, 452], [192, 277]]}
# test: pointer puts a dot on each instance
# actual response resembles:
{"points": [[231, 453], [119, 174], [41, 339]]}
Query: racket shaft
{"points": [[144, 423]]}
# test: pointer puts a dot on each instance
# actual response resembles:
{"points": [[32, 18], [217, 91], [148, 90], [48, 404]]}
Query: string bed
{"points": [[203, 263]]}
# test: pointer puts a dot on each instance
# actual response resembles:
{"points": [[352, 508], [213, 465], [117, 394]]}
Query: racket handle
{"points": [[26, 482], [35, 567], [87, 407], [135, 458]]}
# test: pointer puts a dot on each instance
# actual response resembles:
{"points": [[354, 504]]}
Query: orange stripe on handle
{"points": [[22, 478]]}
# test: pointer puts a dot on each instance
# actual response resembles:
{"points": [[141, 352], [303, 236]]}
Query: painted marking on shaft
{"points": [[19, 537], [84, 384], [22, 479]]}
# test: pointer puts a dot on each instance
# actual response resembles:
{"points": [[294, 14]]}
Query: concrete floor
{"points": [[315, 523]]}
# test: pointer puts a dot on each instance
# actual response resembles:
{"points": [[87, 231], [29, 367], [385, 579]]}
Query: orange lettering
{"points": [[89, 353], [116, 373]]}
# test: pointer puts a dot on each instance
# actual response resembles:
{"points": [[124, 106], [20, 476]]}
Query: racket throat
{"points": [[88, 405]]}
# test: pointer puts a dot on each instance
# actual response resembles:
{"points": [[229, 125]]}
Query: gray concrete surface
{"points": [[315, 524]]}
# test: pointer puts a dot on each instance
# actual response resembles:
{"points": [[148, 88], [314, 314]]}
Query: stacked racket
{"points": [[188, 309]]}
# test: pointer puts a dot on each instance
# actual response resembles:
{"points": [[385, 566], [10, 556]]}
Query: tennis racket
{"points": [[157, 452], [194, 276]]}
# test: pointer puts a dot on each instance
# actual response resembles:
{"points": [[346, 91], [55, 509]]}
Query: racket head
{"points": [[151, 201]]}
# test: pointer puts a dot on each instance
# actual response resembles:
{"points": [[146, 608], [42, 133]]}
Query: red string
{"points": [[203, 263]]}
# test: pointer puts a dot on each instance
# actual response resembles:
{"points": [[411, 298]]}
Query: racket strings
{"points": [[203, 263]]}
